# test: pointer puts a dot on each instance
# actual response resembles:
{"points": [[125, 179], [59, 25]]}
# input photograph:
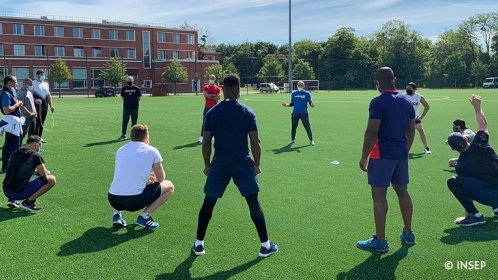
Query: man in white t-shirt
{"points": [[459, 126], [133, 188], [41, 91], [416, 99]]}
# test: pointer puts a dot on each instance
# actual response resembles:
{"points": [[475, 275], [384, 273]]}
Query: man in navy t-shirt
{"points": [[477, 170], [388, 138], [300, 100], [230, 122]]}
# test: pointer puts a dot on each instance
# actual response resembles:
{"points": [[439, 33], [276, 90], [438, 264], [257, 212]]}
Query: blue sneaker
{"points": [[267, 252], [118, 221], [373, 245], [407, 238], [198, 250], [472, 220], [146, 223], [291, 143]]}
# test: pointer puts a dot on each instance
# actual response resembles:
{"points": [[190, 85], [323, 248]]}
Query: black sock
{"points": [[257, 216], [205, 215]]}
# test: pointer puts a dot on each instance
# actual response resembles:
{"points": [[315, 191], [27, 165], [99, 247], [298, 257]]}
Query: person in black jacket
{"points": [[131, 96]]}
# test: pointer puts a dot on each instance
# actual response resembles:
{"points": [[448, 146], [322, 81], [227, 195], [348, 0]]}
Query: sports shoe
{"points": [[471, 220], [122, 137], [495, 213], [118, 221], [12, 204], [198, 250], [373, 245], [407, 238], [30, 206], [427, 150], [43, 141], [200, 139], [292, 142], [263, 252], [146, 223], [312, 143]]}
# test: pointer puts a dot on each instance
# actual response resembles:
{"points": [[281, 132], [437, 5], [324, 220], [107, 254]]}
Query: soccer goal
{"points": [[310, 85]]}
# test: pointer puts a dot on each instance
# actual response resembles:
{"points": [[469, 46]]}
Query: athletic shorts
{"points": [[32, 187], [384, 172], [242, 172], [136, 202], [417, 121]]}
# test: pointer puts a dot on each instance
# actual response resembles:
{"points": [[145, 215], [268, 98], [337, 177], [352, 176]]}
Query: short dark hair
{"points": [[460, 122], [40, 72], [33, 139], [7, 79], [231, 81], [139, 132], [413, 85]]}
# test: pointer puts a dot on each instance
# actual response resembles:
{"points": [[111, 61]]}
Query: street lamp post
{"points": [[290, 50]]}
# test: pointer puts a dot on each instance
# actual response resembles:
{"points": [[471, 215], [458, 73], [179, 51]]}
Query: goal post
{"points": [[310, 85]]}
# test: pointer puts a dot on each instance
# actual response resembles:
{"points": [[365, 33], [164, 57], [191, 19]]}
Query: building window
{"points": [[161, 37], [77, 32], [96, 80], [60, 51], [96, 52], [17, 29], [176, 38], [3, 73], [147, 84], [176, 54], [1, 49], [95, 33], [39, 50], [190, 39], [113, 52], [20, 73], [59, 31], [146, 48], [161, 55], [130, 35], [131, 53], [79, 52], [64, 85], [79, 78], [19, 50], [39, 30], [190, 55], [113, 34]]}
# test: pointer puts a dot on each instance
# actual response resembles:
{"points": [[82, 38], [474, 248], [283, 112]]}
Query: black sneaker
{"points": [[12, 204], [198, 250], [267, 252], [30, 206], [122, 138]]}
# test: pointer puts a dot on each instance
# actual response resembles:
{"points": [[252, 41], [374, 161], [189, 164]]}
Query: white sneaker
{"points": [[312, 143], [200, 139], [427, 151]]}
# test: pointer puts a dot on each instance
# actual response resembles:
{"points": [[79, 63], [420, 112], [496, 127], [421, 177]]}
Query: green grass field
{"points": [[315, 211]]}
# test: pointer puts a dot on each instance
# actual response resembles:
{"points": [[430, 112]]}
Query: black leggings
{"points": [[306, 123]]}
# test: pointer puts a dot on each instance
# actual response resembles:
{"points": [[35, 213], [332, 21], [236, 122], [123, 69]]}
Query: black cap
{"points": [[457, 141]]}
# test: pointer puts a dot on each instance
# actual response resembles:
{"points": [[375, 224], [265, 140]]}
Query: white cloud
{"points": [[379, 4]]}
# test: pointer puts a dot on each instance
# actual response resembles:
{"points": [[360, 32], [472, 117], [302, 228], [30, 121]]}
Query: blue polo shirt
{"points": [[300, 101], [395, 114], [230, 122], [8, 99]]}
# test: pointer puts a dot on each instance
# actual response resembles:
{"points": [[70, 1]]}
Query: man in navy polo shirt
{"points": [[230, 122], [388, 138], [300, 100], [477, 170]]}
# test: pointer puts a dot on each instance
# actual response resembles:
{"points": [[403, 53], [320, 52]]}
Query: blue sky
{"points": [[237, 21]]}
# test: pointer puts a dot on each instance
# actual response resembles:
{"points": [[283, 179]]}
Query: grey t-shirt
{"points": [[467, 132], [27, 98]]}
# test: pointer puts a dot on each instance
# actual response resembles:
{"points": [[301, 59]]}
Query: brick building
{"points": [[29, 43]]}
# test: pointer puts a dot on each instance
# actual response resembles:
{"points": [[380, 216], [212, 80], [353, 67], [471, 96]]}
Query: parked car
{"points": [[490, 82], [105, 91], [268, 87]]}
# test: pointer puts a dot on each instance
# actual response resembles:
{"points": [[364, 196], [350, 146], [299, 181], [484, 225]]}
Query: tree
{"points": [[114, 72], [272, 71], [231, 69], [479, 71], [303, 71], [175, 73], [60, 73], [216, 70]]}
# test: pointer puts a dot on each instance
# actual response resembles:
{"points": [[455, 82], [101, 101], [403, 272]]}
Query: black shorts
{"points": [[417, 121], [137, 202]]}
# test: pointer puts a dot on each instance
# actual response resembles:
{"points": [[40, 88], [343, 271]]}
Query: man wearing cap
{"points": [[459, 126], [477, 170], [41, 91]]}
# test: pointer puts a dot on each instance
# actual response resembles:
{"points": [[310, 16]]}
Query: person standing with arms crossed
{"points": [[212, 93], [387, 141], [41, 90], [300, 100], [131, 96]]}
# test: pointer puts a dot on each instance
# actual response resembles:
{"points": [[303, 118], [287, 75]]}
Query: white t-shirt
{"points": [[415, 100], [133, 165], [41, 88], [470, 134]]}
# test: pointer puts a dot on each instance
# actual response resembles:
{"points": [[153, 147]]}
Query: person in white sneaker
{"points": [[212, 94], [416, 99]]}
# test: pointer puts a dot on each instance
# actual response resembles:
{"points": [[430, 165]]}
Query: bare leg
{"points": [[167, 189], [380, 211], [405, 205], [420, 130]]}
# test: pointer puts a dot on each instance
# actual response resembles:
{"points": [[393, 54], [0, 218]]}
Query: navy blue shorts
{"points": [[243, 175], [384, 172], [136, 202], [32, 187]]}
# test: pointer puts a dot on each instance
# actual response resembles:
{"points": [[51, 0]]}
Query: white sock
{"points": [[478, 214], [266, 244], [145, 215], [117, 212], [198, 242]]}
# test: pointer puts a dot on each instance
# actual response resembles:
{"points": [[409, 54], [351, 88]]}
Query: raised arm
{"points": [[482, 124]]}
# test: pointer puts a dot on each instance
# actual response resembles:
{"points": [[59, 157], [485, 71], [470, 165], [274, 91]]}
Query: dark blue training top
{"points": [[300, 100], [230, 122], [8, 99], [479, 161]]}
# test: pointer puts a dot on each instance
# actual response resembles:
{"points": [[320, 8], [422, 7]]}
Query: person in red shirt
{"points": [[212, 94]]}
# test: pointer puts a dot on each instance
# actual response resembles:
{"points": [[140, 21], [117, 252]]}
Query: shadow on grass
{"points": [[416, 156], [376, 266], [101, 143], [99, 239], [190, 145], [182, 271], [450, 170], [485, 233], [9, 214], [287, 149]]}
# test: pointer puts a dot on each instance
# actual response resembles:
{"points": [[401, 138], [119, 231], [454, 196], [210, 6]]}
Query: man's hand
{"points": [[20, 104], [52, 108], [206, 170], [257, 168], [284, 104], [38, 101], [475, 100], [312, 104], [418, 118], [364, 164], [33, 115]]}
